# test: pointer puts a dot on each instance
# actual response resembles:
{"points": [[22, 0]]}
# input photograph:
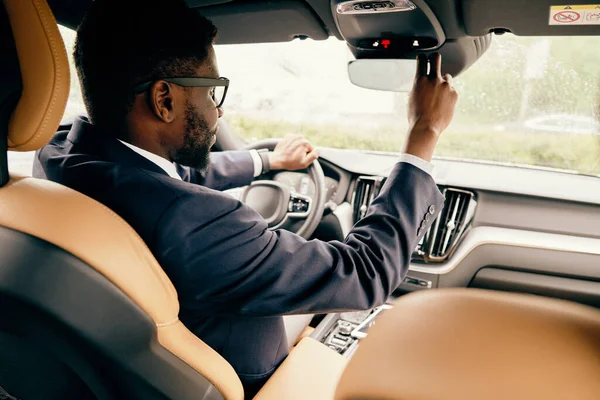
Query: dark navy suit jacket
{"points": [[234, 277]]}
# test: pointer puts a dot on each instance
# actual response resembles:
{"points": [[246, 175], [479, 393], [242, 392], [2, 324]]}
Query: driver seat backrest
{"points": [[87, 312]]}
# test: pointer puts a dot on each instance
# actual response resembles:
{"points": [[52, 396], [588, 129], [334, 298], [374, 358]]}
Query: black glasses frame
{"points": [[191, 81]]}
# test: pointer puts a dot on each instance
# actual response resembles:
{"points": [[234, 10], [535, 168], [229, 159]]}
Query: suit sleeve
{"points": [[227, 170], [233, 265], [37, 170]]}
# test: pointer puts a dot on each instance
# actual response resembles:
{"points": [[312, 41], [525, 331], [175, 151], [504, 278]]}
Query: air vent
{"points": [[448, 229], [367, 188]]}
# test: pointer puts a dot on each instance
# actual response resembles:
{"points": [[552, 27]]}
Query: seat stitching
{"points": [[163, 324], [53, 48]]}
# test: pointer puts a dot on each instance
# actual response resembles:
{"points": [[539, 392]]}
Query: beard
{"points": [[197, 141]]}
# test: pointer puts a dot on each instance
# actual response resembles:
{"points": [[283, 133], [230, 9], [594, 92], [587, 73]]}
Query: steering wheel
{"points": [[280, 205]]}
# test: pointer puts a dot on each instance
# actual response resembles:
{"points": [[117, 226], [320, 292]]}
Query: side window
{"points": [[22, 163], [75, 104]]}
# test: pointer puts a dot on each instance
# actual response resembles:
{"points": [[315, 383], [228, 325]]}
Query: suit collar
{"points": [[163, 163], [106, 145]]}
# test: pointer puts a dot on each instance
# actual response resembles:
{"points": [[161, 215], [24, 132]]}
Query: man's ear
{"points": [[162, 101]]}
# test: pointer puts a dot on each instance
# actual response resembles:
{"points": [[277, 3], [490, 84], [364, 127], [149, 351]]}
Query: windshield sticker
{"points": [[575, 15]]}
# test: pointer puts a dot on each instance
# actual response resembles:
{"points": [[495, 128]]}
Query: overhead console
{"points": [[401, 29], [387, 29]]}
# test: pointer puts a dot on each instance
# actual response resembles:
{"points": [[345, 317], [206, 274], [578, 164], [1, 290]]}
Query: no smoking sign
{"points": [[567, 17], [575, 15]]}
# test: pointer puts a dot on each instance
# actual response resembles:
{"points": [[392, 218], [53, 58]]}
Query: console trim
{"points": [[484, 235]]}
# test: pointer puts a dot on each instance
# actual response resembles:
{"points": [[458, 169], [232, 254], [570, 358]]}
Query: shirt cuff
{"points": [[258, 167], [418, 162]]}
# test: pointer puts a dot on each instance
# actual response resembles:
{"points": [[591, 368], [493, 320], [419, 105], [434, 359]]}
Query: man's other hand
{"points": [[293, 152], [431, 106]]}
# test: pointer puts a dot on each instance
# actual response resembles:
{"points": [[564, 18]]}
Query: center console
{"points": [[343, 332]]}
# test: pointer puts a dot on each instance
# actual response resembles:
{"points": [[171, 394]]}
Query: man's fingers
{"points": [[435, 60], [312, 156], [306, 145], [421, 66], [298, 142], [448, 78], [296, 139]]}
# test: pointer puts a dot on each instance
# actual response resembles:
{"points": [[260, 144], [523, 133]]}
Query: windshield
{"points": [[526, 101], [530, 101]]}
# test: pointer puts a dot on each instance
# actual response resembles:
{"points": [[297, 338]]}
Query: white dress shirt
{"points": [[418, 162], [170, 169], [163, 163]]}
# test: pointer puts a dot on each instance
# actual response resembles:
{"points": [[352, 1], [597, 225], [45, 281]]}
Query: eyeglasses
{"points": [[219, 86]]}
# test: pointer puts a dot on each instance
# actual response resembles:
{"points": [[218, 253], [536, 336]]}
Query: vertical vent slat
{"points": [[452, 223], [367, 188]]}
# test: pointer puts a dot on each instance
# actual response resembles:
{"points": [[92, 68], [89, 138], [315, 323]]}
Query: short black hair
{"points": [[122, 43]]}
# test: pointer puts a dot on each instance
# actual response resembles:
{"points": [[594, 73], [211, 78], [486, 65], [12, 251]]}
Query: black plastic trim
{"points": [[333, 171]]}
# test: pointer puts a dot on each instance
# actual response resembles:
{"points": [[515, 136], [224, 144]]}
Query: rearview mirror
{"points": [[389, 75]]}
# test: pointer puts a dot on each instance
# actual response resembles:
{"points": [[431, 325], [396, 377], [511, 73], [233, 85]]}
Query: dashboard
{"points": [[520, 229]]}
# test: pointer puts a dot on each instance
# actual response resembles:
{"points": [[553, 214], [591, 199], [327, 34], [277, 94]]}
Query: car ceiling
{"points": [[314, 17], [460, 30]]}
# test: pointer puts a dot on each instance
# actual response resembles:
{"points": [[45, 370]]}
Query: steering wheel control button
{"points": [[299, 205]]}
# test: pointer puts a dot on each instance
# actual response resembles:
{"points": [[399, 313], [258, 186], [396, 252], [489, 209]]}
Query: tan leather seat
{"points": [[76, 223], [469, 344]]}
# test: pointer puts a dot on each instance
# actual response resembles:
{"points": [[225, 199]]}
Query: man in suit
{"points": [[144, 153]]}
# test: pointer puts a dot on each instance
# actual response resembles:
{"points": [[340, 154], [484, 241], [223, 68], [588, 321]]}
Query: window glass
{"points": [[527, 101]]}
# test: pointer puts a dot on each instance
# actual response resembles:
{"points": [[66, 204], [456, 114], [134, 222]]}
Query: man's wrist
{"points": [[421, 142], [274, 161]]}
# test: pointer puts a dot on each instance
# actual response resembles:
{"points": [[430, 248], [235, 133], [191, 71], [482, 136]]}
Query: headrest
{"points": [[470, 344], [44, 73]]}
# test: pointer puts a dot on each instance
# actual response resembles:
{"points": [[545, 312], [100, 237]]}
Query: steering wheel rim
{"points": [[315, 171]]}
